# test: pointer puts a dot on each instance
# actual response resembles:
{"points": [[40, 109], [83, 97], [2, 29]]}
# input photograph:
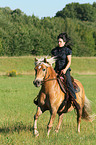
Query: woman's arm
{"points": [[68, 64]]}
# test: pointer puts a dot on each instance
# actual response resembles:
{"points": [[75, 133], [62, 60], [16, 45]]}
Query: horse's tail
{"points": [[86, 112]]}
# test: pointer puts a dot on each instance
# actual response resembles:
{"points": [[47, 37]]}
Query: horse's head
{"points": [[41, 66]]}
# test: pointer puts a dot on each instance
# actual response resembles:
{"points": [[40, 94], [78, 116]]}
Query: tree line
{"points": [[28, 35]]}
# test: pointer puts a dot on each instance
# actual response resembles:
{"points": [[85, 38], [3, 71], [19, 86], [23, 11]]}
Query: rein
{"points": [[49, 79]]}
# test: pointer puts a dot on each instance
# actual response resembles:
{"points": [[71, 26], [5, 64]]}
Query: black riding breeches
{"points": [[69, 84]]}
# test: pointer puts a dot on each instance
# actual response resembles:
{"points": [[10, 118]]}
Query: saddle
{"points": [[62, 84], [68, 96]]}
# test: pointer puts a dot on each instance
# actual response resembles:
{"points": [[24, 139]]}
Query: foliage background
{"points": [[24, 35]]}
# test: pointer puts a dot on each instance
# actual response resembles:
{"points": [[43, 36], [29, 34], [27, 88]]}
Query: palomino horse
{"points": [[51, 96]]}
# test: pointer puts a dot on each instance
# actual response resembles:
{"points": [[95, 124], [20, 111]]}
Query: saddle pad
{"points": [[61, 82]]}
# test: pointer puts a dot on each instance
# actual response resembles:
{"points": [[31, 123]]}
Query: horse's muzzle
{"points": [[37, 83]]}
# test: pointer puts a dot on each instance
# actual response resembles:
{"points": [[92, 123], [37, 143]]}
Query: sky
{"points": [[40, 8]]}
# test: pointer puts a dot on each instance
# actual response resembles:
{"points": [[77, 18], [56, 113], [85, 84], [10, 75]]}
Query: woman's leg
{"points": [[71, 90], [69, 84]]}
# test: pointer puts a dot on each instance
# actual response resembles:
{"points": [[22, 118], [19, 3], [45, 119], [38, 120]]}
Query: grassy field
{"points": [[17, 109], [25, 65]]}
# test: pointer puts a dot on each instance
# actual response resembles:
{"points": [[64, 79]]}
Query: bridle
{"points": [[47, 79]]}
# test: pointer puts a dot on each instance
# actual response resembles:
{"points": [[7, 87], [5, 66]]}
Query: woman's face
{"points": [[61, 42]]}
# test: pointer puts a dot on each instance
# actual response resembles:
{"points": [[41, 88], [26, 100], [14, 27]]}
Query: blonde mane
{"points": [[45, 61]]}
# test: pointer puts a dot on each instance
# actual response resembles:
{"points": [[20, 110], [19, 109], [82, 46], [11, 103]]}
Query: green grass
{"points": [[17, 112], [84, 65], [20, 64], [17, 109]]}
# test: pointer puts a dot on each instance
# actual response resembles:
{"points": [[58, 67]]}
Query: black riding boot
{"points": [[36, 101]]}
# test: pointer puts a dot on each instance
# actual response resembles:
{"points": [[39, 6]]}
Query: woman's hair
{"points": [[66, 39]]}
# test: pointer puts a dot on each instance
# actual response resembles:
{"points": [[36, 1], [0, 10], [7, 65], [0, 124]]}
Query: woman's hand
{"points": [[63, 71]]}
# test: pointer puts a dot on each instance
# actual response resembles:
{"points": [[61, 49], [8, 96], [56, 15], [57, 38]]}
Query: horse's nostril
{"points": [[36, 83]]}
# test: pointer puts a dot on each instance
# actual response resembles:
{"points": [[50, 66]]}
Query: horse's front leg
{"points": [[38, 113], [50, 124], [59, 122]]}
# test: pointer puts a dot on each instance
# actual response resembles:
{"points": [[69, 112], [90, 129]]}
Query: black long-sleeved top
{"points": [[61, 54]]}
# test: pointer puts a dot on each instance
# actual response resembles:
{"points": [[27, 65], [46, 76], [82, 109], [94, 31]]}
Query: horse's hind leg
{"points": [[79, 113], [59, 122], [38, 113]]}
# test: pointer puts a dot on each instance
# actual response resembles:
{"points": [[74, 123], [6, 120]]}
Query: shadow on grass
{"points": [[17, 127]]}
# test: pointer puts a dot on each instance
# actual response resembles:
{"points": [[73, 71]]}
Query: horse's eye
{"points": [[44, 69]]}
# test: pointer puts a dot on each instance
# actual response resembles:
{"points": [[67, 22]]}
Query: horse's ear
{"points": [[45, 60], [36, 59]]}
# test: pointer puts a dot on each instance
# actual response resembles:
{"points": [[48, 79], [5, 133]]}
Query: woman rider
{"points": [[63, 54]]}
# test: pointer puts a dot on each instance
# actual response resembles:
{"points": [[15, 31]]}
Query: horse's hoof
{"points": [[47, 136], [36, 133], [78, 131], [56, 130]]}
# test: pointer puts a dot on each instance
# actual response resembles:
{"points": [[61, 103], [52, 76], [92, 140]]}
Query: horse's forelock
{"points": [[40, 63]]}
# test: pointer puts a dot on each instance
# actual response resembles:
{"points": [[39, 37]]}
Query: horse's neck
{"points": [[50, 80], [51, 72]]}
